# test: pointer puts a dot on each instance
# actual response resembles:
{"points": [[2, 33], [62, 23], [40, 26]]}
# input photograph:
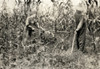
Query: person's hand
{"points": [[94, 20]]}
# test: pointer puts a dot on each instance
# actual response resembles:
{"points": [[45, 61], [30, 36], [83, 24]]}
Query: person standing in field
{"points": [[81, 20]]}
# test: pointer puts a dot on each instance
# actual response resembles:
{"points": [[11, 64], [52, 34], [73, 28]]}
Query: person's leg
{"points": [[82, 42], [82, 37]]}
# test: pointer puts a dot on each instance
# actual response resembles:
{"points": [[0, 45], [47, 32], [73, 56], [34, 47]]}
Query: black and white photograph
{"points": [[49, 34]]}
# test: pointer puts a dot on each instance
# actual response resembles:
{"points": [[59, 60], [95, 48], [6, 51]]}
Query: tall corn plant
{"points": [[65, 18]]}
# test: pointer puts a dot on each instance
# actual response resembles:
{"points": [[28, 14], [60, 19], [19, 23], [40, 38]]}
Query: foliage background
{"points": [[42, 52]]}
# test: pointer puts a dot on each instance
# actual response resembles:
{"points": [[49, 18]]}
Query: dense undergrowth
{"points": [[42, 51]]}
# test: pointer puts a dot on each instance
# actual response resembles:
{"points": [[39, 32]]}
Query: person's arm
{"points": [[27, 20], [79, 25]]}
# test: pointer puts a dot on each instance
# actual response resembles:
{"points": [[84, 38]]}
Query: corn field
{"points": [[49, 46]]}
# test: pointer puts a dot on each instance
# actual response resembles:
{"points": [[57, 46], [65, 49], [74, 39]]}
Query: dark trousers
{"points": [[81, 37]]}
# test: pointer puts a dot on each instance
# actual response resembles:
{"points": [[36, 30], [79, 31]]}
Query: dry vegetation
{"points": [[43, 51]]}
